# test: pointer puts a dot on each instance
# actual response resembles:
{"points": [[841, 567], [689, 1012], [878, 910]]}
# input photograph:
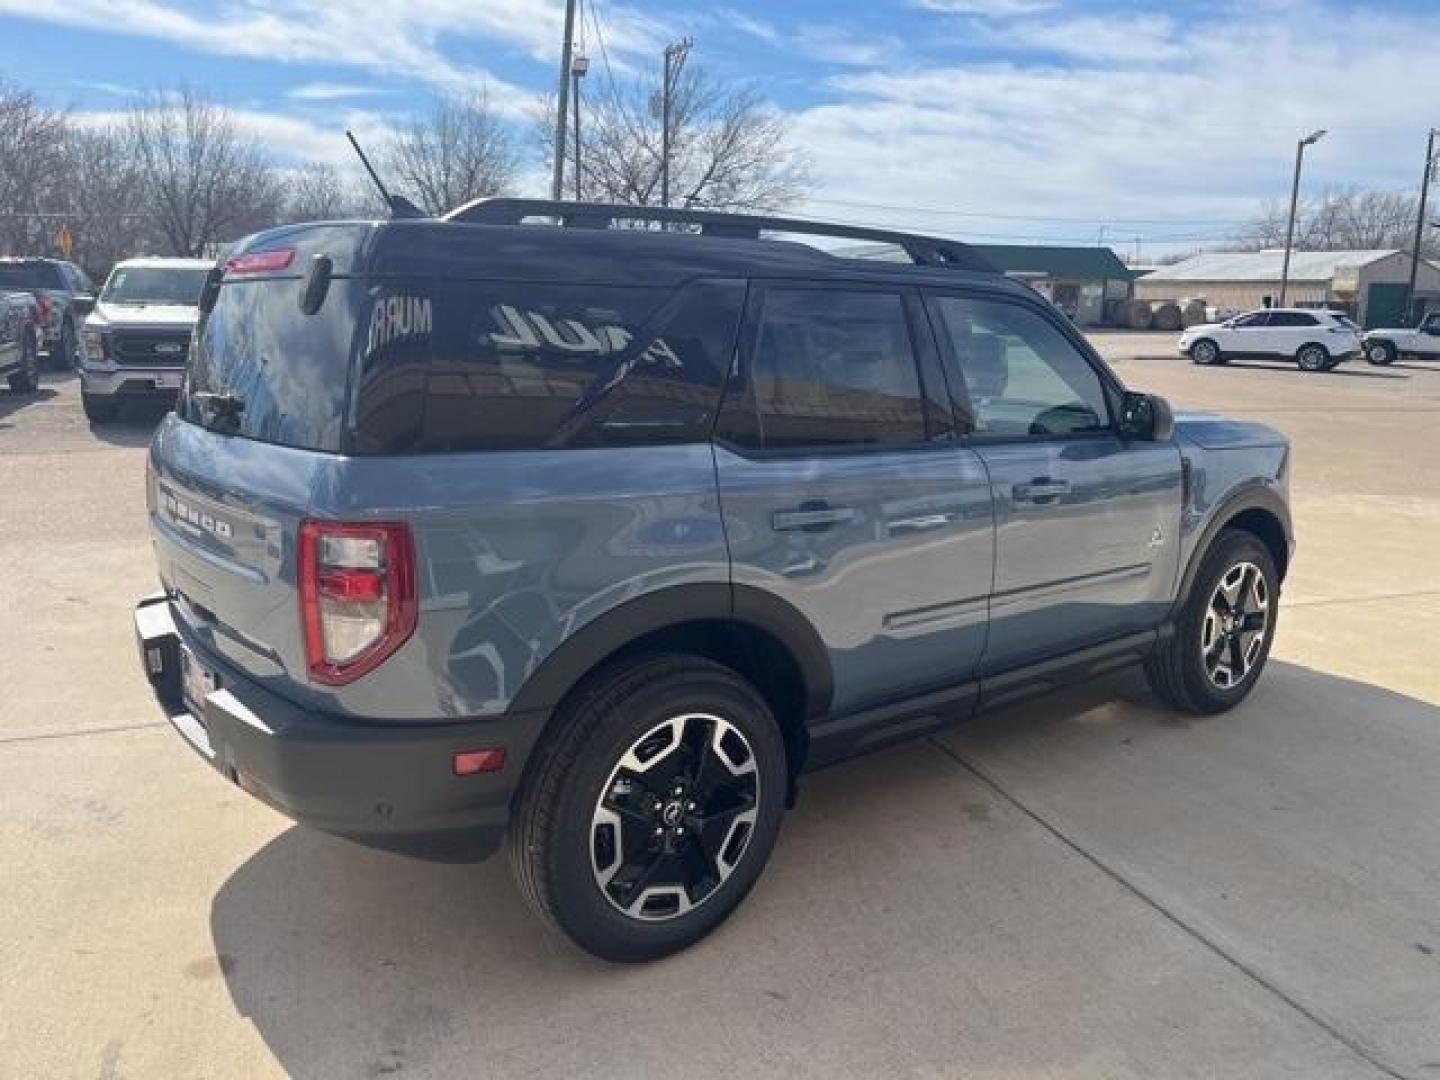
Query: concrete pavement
{"points": [[1084, 886]]}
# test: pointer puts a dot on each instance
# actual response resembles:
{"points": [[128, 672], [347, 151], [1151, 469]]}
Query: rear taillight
{"points": [[44, 308], [357, 596], [260, 262]]}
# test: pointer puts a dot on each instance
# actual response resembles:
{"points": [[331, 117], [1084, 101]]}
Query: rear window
{"points": [[286, 372], [516, 366], [30, 276]]}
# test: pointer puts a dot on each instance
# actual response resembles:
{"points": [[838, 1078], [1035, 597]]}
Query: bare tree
{"points": [[316, 191], [729, 149], [1344, 219], [31, 165], [104, 199], [460, 151], [205, 181]]}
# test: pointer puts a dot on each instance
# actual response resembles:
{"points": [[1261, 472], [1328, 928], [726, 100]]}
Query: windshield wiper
{"points": [[221, 410]]}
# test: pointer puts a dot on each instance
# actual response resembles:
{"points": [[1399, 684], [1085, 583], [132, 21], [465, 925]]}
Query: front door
{"points": [[845, 494], [1087, 522]]}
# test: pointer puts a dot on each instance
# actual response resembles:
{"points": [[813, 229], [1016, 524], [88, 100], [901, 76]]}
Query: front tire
{"points": [[647, 817], [65, 355], [1205, 351], [1224, 630], [1381, 353], [26, 380], [1313, 357]]}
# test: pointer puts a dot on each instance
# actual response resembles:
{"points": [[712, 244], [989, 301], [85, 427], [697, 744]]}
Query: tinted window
{"points": [[22, 275], [1253, 320], [1433, 322], [155, 285], [526, 366], [836, 368], [1291, 318], [288, 370], [1023, 375]]}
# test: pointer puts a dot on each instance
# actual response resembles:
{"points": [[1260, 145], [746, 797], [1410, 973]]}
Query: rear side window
{"points": [[836, 368], [287, 371], [516, 366], [34, 275], [1291, 319]]}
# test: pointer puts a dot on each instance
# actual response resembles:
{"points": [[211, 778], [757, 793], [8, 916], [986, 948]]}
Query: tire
{"points": [[585, 827], [1187, 674], [1205, 351], [1313, 357], [26, 380], [98, 409], [64, 357], [1381, 353]]}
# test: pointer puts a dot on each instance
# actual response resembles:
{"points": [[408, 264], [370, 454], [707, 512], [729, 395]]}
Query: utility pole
{"points": [[557, 178], [1309, 140], [579, 65], [1419, 227], [675, 54]]}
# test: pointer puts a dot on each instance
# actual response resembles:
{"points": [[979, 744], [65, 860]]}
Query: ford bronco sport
{"points": [[601, 536]]}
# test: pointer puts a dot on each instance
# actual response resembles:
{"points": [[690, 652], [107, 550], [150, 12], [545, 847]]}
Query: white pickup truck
{"points": [[1422, 343]]}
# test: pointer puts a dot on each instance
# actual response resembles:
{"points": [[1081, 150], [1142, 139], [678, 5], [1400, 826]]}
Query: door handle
{"points": [[1041, 490], [920, 523], [811, 517]]}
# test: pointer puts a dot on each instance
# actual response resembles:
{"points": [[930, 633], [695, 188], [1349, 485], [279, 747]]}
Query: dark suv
{"points": [[65, 295], [603, 535]]}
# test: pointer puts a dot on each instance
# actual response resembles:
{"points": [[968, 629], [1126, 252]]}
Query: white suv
{"points": [[1316, 340], [1422, 343]]}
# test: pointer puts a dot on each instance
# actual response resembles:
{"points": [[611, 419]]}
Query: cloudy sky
{"points": [[987, 119]]}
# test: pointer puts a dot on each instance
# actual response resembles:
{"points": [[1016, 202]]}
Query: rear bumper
{"points": [[131, 382], [386, 785]]}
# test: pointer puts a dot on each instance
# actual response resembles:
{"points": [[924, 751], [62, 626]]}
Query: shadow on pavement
{"points": [[914, 920], [11, 402], [134, 424]]}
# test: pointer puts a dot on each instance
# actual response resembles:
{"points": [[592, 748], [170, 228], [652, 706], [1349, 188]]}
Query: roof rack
{"points": [[923, 250]]}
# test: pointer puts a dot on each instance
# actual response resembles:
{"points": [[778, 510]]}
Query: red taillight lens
{"points": [[260, 262], [473, 762], [357, 596], [43, 308]]}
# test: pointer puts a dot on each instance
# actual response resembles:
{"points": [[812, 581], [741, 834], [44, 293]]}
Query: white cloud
{"points": [[328, 91], [846, 45], [995, 9]]}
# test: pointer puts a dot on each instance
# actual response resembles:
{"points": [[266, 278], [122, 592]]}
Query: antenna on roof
{"points": [[400, 207]]}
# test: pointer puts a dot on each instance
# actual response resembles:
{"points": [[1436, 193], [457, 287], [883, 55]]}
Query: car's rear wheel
{"points": [[99, 409], [26, 378], [1313, 357], [647, 817], [1222, 636], [1205, 351], [1380, 353]]}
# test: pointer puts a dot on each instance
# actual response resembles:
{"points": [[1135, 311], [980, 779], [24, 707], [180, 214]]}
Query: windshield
{"points": [[30, 276], [155, 285]]}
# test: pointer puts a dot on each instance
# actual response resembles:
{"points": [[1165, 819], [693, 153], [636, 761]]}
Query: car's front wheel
{"points": [[1205, 351], [1222, 636], [1380, 353], [1313, 358], [647, 817]]}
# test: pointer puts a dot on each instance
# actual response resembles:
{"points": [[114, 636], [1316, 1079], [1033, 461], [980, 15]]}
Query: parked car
{"points": [[1384, 347], [603, 536], [20, 341], [1317, 340], [138, 337], [66, 296]]}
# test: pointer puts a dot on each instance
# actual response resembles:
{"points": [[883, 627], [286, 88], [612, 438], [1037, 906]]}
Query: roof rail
{"points": [[924, 250]]}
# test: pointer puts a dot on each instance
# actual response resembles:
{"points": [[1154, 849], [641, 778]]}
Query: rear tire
{"points": [[1381, 353], [26, 380], [1313, 357], [634, 833], [1223, 632], [98, 409]]}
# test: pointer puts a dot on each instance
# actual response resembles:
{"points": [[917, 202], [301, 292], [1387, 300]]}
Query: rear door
{"points": [[845, 493], [1087, 522], [1248, 335], [1287, 331]]}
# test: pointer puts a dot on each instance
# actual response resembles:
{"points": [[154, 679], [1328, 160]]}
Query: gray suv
{"points": [[600, 536]]}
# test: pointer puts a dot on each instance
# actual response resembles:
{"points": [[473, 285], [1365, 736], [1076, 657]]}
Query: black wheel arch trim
{"points": [[1251, 497], [673, 606]]}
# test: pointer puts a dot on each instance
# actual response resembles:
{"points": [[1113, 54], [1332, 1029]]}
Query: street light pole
{"points": [[578, 67], [1419, 227], [675, 54], [557, 176], [1309, 140]]}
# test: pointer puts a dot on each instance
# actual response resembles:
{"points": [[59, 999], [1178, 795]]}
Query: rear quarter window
{"points": [[513, 366]]}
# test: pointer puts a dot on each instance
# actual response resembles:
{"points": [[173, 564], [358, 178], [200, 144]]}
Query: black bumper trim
{"points": [[387, 785]]}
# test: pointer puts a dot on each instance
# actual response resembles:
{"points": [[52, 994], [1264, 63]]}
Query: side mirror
{"points": [[1147, 417], [83, 303]]}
